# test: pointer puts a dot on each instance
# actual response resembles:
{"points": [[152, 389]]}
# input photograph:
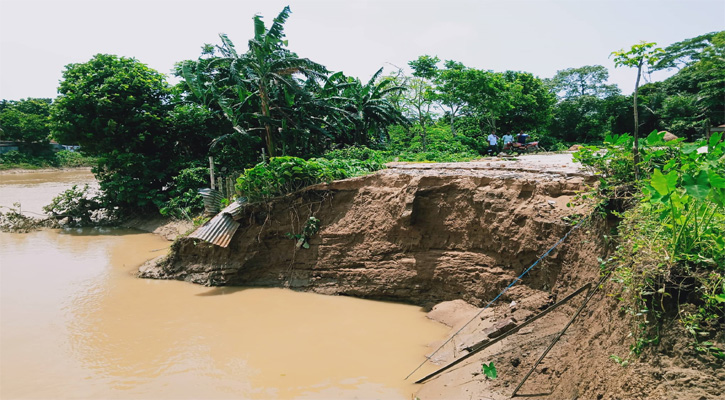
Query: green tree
{"points": [[639, 56], [421, 95], [589, 80], [449, 90], [117, 108], [26, 121], [258, 84], [530, 102], [486, 96], [369, 109]]}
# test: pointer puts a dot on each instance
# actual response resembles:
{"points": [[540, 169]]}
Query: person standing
{"points": [[507, 138], [492, 143]]}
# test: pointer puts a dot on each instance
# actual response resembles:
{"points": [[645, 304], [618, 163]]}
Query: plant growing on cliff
{"points": [[288, 174], [312, 226], [675, 234]]}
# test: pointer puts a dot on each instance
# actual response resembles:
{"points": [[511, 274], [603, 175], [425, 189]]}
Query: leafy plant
{"points": [[79, 206], [675, 234], [312, 226], [14, 221], [489, 370], [184, 198], [288, 174]]}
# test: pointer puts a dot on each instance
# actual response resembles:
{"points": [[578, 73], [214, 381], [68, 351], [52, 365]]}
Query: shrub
{"points": [[80, 207], [184, 199], [63, 158], [288, 174]]}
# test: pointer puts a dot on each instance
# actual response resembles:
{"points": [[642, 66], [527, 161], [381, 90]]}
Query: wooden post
{"points": [[211, 171]]}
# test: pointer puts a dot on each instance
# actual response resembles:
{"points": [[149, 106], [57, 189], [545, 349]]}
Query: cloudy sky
{"points": [[39, 37]]}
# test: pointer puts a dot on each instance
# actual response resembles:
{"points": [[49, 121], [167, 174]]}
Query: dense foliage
{"points": [[287, 174], [25, 121], [671, 258]]}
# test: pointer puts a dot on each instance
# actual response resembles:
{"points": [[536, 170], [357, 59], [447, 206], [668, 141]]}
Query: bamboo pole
{"points": [[485, 344]]}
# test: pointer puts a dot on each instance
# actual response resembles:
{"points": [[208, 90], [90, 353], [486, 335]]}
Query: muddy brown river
{"points": [[76, 323]]}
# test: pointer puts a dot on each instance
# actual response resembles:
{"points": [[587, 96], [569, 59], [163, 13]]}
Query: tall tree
{"points": [[530, 102], [449, 90], [589, 80], [421, 95], [640, 56], [486, 96], [117, 108], [263, 77], [369, 108]]}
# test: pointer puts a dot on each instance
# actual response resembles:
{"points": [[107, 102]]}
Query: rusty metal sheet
{"points": [[220, 229], [235, 209]]}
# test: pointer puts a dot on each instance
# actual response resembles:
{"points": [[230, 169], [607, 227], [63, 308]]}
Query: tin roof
{"points": [[220, 229]]}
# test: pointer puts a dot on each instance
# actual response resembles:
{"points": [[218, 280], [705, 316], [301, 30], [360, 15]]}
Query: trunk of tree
{"points": [[453, 128], [636, 123], [267, 126], [423, 134]]}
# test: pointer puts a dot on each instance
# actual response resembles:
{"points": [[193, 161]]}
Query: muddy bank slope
{"points": [[411, 233]]}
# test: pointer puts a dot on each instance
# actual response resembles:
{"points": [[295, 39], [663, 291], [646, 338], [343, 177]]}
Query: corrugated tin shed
{"points": [[220, 229]]}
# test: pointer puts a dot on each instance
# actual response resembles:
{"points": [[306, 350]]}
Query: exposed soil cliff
{"points": [[405, 235]]}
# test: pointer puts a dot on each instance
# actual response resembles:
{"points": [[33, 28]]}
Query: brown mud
{"points": [[455, 235]]}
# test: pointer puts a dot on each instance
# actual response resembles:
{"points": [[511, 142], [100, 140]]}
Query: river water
{"points": [[76, 323]]}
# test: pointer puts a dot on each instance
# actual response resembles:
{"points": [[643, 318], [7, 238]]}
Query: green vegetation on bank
{"points": [[671, 254], [62, 159]]}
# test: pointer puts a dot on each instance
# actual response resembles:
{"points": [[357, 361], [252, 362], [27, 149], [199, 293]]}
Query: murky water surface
{"points": [[35, 189], [76, 323]]}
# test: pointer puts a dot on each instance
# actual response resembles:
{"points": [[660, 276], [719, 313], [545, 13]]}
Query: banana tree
{"points": [[251, 86]]}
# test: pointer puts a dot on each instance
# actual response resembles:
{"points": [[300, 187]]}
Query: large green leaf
{"points": [[715, 140], [664, 184], [697, 186], [489, 370], [655, 138], [717, 180]]}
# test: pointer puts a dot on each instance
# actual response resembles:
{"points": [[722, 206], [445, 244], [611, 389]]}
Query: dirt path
{"points": [[534, 165]]}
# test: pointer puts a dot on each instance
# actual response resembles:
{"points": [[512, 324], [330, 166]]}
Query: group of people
{"points": [[507, 138]]}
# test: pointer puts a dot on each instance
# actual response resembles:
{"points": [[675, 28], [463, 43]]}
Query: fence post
{"points": [[211, 171]]}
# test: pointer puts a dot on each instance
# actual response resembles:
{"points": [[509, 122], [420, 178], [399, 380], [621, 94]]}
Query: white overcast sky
{"points": [[39, 37]]}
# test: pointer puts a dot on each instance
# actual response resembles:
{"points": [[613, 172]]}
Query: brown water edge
{"points": [[77, 323], [35, 189]]}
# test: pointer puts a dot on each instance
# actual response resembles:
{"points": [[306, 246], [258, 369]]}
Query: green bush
{"points": [[184, 199], [79, 205], [71, 159], [288, 174], [361, 153], [672, 242]]}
